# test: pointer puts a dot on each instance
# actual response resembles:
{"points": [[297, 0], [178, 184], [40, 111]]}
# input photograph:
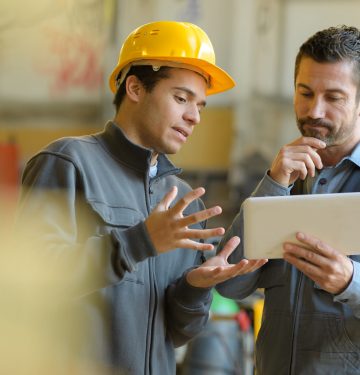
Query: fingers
{"points": [[315, 253], [313, 257], [168, 229], [302, 257], [187, 199], [200, 216], [307, 149], [305, 266], [297, 159], [229, 271], [194, 245], [169, 197], [316, 245], [215, 270], [309, 141], [184, 202], [200, 233], [307, 158], [229, 247], [330, 269], [240, 268], [248, 265]]}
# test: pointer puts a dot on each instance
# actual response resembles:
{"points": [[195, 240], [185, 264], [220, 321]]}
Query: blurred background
{"points": [[56, 56]]}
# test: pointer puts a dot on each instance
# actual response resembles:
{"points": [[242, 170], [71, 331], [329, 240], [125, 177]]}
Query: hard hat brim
{"points": [[219, 80]]}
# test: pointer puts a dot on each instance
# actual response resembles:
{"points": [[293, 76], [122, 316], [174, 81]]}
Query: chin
{"points": [[170, 150], [173, 152], [173, 148]]}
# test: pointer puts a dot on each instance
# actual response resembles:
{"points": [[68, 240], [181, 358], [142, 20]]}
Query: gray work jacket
{"points": [[85, 200], [305, 330]]}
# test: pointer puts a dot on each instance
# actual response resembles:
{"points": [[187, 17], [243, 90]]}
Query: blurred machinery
{"points": [[9, 181], [226, 346], [9, 164]]}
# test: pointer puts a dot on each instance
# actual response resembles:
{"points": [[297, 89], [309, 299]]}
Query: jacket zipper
{"points": [[147, 369], [153, 292], [297, 307]]}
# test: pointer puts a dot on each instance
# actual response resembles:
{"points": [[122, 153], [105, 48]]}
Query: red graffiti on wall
{"points": [[76, 62]]}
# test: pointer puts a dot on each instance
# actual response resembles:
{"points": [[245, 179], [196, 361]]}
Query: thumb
{"points": [[230, 246], [164, 204]]}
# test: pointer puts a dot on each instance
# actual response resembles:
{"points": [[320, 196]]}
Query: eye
{"points": [[180, 99], [306, 94], [334, 98], [200, 108]]}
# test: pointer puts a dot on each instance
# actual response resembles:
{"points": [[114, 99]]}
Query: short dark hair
{"points": [[340, 43], [146, 75]]}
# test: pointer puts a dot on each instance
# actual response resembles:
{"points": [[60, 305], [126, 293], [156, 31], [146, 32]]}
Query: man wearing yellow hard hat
{"points": [[136, 261]]}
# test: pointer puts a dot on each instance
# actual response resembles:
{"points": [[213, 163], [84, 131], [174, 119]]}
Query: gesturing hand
{"points": [[217, 269], [169, 229]]}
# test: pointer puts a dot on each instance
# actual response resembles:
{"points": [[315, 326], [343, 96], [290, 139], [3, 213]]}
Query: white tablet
{"points": [[270, 221]]}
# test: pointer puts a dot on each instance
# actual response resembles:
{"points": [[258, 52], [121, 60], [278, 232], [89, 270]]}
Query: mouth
{"points": [[311, 126], [182, 132], [315, 123], [315, 128]]}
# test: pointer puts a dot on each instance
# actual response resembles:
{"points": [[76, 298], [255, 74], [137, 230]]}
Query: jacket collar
{"points": [[113, 139]]}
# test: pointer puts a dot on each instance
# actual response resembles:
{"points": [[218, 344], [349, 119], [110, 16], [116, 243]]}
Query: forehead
{"points": [[326, 75], [188, 79]]}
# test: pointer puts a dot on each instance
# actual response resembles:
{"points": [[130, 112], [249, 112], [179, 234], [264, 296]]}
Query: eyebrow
{"points": [[191, 93], [302, 85]]}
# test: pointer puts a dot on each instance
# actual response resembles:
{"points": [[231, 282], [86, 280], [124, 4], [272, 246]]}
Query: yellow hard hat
{"points": [[171, 43]]}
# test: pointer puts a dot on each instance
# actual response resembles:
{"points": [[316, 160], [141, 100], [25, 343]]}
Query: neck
{"points": [[154, 158], [126, 126], [124, 122]]}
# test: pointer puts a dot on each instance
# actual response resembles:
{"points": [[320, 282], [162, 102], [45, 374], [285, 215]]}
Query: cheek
{"points": [[357, 111], [341, 113], [300, 107], [156, 115]]}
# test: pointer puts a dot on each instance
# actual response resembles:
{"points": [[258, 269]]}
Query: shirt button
{"points": [[322, 181]]}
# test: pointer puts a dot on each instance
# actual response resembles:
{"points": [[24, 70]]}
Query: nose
{"points": [[192, 115], [316, 108]]}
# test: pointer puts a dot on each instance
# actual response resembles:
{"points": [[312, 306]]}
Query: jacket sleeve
{"points": [[187, 307], [187, 310], [242, 286], [59, 233]]}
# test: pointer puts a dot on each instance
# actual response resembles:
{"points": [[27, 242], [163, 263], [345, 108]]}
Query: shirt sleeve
{"points": [[351, 295], [269, 187]]}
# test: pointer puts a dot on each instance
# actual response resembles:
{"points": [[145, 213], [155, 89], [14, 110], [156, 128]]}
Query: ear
{"points": [[134, 88]]}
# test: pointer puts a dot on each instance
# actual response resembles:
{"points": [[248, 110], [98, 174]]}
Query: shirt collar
{"points": [[354, 156]]}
